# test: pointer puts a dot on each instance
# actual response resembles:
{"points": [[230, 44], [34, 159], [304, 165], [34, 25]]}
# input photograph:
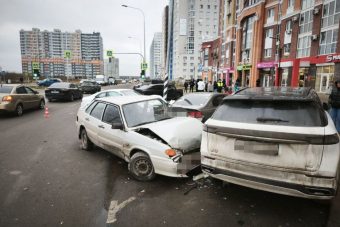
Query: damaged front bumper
{"points": [[177, 166]]}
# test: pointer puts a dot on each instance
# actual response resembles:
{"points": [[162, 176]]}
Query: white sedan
{"points": [[139, 130], [107, 93]]}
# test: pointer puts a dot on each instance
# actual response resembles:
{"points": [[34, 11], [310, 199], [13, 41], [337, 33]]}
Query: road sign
{"points": [[35, 65], [144, 66], [67, 54], [109, 53]]}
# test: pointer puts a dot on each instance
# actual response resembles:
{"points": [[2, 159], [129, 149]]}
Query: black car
{"points": [[157, 89], [63, 91], [197, 105], [90, 87]]}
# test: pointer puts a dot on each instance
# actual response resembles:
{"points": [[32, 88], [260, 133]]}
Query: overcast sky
{"points": [[114, 22]]}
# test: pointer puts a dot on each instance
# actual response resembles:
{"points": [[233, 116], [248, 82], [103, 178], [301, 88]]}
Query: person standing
{"points": [[200, 86], [210, 87], [334, 101], [215, 86], [219, 86], [192, 84], [186, 86]]}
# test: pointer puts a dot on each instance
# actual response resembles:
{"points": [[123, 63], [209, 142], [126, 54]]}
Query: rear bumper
{"points": [[292, 184], [7, 107], [60, 96]]}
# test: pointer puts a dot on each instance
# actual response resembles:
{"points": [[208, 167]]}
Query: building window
{"points": [[289, 27], [330, 14], [268, 53], [306, 21], [247, 38], [307, 4], [286, 49], [328, 41], [291, 3], [270, 16], [304, 44], [201, 6]]}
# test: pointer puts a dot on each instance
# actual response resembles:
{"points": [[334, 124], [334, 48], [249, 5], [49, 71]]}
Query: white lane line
{"points": [[115, 208]]}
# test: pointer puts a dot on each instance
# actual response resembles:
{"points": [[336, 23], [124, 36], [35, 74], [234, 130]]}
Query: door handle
{"points": [[87, 119], [101, 126]]}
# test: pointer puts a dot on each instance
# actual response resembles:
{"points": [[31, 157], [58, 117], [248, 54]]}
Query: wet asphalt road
{"points": [[47, 180]]}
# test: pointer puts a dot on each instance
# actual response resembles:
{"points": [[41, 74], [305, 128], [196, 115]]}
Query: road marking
{"points": [[115, 208]]}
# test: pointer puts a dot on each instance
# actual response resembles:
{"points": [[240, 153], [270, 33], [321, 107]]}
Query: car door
{"points": [[32, 98], [93, 119], [74, 91], [22, 97], [112, 140]]}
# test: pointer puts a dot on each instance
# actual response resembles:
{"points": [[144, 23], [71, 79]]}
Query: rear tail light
{"points": [[195, 114], [7, 98], [331, 139]]}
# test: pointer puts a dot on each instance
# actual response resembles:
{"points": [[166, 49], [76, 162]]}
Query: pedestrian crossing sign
{"points": [[35, 65], [144, 66], [109, 53], [67, 54]]}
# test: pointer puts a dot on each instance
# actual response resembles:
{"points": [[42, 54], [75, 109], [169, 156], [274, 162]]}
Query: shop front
{"points": [[243, 74], [266, 74], [324, 77]]}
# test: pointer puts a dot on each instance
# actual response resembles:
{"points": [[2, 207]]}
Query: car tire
{"points": [[71, 98], [19, 110], [42, 104], [86, 143], [141, 167]]}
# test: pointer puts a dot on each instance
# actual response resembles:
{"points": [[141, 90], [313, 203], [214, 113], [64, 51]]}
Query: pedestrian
{"points": [[206, 87], [215, 86], [192, 84], [210, 87], [258, 83], [219, 86], [200, 86], [334, 101], [237, 85], [196, 83], [186, 86]]}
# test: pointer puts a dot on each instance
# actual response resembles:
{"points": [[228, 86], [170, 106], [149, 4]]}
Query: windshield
{"points": [[193, 100], [6, 89], [145, 112], [59, 85], [290, 113], [89, 83], [129, 93]]}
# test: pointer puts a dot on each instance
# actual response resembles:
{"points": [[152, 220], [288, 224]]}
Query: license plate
{"points": [[256, 147], [55, 92]]}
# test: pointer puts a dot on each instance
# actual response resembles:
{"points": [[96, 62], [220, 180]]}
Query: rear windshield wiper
{"points": [[265, 119], [188, 101]]}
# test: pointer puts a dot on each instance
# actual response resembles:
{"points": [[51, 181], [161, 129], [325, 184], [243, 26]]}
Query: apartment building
{"points": [[287, 43], [48, 49], [190, 23], [156, 55]]}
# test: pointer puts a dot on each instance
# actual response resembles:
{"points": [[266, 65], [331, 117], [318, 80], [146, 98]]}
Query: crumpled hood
{"points": [[182, 133]]}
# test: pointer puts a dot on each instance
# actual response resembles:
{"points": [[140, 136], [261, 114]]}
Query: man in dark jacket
{"points": [[334, 100]]}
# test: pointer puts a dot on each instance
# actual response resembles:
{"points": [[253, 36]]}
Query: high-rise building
{"points": [[48, 50], [190, 23], [156, 55]]}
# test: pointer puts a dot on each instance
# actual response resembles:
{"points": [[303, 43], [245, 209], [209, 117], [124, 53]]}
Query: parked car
{"points": [[107, 93], [157, 89], [273, 139], [48, 82], [197, 105], [88, 86], [18, 98], [139, 130], [63, 91]]}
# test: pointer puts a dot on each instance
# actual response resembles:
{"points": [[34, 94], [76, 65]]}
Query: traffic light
{"points": [[142, 73], [36, 73]]}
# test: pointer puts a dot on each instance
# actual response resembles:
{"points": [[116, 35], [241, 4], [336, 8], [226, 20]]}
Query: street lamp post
{"points": [[126, 6], [277, 58]]}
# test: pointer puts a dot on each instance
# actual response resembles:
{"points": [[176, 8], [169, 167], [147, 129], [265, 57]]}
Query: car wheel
{"points": [[19, 110], [71, 97], [42, 104], [141, 167], [86, 143]]}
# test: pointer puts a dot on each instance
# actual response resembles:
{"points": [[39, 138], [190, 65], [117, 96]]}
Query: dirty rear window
{"points": [[6, 89], [289, 113]]}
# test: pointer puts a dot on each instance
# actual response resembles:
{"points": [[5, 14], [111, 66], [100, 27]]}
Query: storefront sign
{"points": [[243, 67], [264, 65], [333, 58]]}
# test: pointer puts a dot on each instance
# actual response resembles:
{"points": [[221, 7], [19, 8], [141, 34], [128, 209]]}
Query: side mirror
{"points": [[325, 106], [119, 126]]}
